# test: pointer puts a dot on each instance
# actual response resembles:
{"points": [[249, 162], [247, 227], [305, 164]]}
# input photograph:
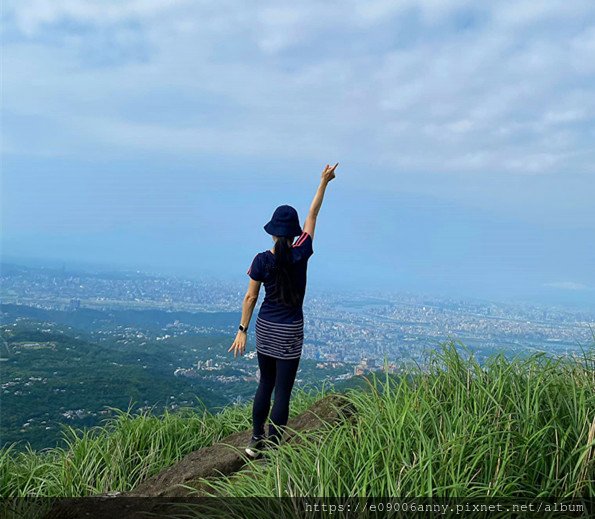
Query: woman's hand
{"points": [[239, 344], [329, 173]]}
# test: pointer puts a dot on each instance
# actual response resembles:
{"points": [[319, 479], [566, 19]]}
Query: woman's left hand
{"points": [[239, 344]]}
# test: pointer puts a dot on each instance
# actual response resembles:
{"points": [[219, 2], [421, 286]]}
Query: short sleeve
{"points": [[303, 246], [255, 271]]}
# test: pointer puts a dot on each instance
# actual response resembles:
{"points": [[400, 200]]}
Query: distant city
{"points": [[75, 344], [342, 327]]}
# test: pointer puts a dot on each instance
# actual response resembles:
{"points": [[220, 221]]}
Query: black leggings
{"points": [[277, 374]]}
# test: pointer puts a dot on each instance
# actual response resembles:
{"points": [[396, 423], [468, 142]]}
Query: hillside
{"points": [[520, 427], [52, 379]]}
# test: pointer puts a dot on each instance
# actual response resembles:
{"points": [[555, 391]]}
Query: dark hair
{"points": [[285, 290]]}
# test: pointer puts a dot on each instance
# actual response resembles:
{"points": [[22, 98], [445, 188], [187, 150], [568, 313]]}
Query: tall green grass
{"points": [[515, 428], [125, 451], [520, 427]]}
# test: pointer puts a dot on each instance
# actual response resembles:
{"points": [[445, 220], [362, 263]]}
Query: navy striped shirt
{"points": [[282, 341]]}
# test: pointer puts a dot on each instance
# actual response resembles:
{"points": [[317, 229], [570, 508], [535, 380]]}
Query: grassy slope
{"points": [[521, 427]]}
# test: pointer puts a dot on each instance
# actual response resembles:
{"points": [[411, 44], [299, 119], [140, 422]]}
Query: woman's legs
{"points": [[262, 399], [277, 374], [285, 377]]}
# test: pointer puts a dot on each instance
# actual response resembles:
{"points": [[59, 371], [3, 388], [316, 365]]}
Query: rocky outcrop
{"points": [[227, 456], [182, 479]]}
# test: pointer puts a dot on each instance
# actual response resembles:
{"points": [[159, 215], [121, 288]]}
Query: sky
{"points": [[162, 134]]}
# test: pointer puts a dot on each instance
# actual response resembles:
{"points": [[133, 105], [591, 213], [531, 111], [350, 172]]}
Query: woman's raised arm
{"points": [[327, 175]]}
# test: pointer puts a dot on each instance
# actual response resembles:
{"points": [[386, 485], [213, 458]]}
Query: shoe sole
{"points": [[251, 453]]}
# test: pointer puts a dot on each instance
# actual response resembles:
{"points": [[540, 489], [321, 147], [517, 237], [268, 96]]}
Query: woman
{"points": [[280, 322]]}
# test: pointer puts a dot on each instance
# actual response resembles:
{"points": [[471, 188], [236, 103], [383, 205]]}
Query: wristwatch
{"points": [[243, 328]]}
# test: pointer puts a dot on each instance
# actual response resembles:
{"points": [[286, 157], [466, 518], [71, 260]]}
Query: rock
{"points": [[227, 456], [181, 480]]}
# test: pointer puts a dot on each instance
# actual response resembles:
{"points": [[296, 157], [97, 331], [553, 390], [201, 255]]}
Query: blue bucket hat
{"points": [[284, 222]]}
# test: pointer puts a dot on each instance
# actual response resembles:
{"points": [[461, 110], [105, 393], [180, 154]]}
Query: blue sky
{"points": [[163, 133]]}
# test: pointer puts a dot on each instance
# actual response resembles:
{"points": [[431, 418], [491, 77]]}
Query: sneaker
{"points": [[271, 442], [256, 446]]}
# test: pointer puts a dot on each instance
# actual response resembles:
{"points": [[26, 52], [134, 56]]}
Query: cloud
{"points": [[37, 15], [567, 285], [457, 90]]}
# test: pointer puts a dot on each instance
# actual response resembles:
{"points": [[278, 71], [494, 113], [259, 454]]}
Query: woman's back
{"points": [[263, 269]]}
